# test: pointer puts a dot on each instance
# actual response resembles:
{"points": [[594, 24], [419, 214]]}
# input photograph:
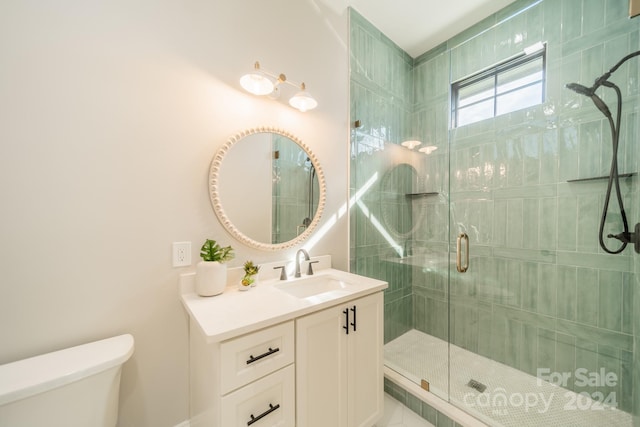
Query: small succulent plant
{"points": [[250, 270], [212, 251]]}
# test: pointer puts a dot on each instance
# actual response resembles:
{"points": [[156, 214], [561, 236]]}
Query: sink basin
{"points": [[313, 286]]}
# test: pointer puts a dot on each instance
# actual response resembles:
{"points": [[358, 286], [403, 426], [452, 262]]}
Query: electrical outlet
{"points": [[181, 254]]}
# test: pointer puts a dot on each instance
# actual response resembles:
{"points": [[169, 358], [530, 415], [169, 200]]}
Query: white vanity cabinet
{"points": [[244, 381], [271, 357], [339, 365]]}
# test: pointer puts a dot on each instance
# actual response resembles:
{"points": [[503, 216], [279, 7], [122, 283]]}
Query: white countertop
{"points": [[236, 312]]}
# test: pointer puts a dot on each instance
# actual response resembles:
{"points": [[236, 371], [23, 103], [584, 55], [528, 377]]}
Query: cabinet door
{"points": [[339, 376], [365, 362], [321, 363]]}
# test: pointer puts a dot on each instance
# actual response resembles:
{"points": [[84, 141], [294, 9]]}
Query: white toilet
{"points": [[75, 387]]}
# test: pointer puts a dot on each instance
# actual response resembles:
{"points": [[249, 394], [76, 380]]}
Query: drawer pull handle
{"points": [[262, 415], [268, 353]]}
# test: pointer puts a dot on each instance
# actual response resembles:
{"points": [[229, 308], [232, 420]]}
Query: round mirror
{"points": [[397, 191], [267, 188]]}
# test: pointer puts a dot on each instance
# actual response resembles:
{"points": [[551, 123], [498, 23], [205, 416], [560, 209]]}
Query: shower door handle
{"points": [[459, 266]]}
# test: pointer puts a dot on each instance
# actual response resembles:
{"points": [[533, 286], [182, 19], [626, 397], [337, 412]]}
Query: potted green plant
{"points": [[211, 272], [250, 270]]}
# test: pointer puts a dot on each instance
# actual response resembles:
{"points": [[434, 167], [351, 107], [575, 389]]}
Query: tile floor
{"points": [[398, 415], [451, 368]]}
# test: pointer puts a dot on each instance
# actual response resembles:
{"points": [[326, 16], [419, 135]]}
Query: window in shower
{"points": [[509, 86]]}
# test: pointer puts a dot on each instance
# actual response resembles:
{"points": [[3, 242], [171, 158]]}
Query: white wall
{"points": [[110, 112]]}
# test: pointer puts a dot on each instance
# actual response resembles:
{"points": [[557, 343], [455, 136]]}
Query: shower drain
{"points": [[477, 385]]}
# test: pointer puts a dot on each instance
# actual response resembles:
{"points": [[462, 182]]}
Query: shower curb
{"points": [[456, 414]]}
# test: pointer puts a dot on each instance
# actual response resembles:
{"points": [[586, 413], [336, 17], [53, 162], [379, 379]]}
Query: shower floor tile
{"points": [[512, 398]]}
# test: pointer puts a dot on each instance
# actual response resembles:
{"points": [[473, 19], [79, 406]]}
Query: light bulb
{"points": [[428, 149], [303, 101], [256, 83], [411, 144]]}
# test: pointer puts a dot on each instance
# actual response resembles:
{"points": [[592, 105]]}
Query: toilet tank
{"points": [[74, 387]]}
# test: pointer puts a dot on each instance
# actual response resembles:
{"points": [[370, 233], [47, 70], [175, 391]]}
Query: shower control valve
{"points": [[626, 237]]}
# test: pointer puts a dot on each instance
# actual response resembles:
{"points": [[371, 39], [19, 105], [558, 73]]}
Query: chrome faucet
{"points": [[306, 258], [283, 273]]}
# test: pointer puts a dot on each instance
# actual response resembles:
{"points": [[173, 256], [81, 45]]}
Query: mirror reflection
{"points": [[398, 187], [295, 190], [266, 188]]}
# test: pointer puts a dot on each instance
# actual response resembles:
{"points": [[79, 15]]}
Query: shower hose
{"points": [[614, 179]]}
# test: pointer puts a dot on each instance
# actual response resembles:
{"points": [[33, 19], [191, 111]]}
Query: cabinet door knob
{"points": [[262, 415]]}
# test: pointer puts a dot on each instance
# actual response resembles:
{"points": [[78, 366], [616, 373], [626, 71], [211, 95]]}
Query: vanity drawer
{"points": [[252, 356], [268, 402]]}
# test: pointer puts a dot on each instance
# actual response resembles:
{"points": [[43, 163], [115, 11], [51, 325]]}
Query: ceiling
{"points": [[420, 25]]}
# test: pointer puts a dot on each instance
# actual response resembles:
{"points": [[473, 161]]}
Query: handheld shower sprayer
{"points": [[590, 92], [625, 236], [580, 89], [600, 81]]}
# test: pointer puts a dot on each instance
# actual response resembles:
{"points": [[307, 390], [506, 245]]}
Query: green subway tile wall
{"points": [[540, 292]]}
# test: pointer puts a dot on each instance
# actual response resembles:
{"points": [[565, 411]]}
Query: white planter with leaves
{"points": [[211, 278], [211, 272]]}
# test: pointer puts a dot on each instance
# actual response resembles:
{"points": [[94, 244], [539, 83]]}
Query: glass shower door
{"points": [[540, 323], [486, 276], [421, 352], [398, 203]]}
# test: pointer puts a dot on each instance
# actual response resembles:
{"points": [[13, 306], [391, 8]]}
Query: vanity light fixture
{"points": [[302, 100], [258, 83], [411, 144], [261, 82], [428, 149]]}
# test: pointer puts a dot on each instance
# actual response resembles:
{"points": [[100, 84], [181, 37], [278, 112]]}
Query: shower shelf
{"points": [[622, 175], [421, 194]]}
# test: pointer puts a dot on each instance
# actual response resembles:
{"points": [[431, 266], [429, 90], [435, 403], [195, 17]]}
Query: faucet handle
{"points": [[283, 273], [310, 269]]}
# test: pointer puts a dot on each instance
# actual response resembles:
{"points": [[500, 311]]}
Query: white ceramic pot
{"points": [[244, 287], [211, 278]]}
